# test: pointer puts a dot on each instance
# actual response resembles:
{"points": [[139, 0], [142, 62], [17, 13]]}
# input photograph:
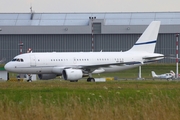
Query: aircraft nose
{"points": [[7, 67]]}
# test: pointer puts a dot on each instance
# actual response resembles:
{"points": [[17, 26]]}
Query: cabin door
{"points": [[33, 60]]}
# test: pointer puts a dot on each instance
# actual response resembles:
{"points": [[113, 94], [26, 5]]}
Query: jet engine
{"points": [[46, 76], [72, 74]]}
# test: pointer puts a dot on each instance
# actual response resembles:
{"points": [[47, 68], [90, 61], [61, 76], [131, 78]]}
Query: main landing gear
{"points": [[90, 78]]}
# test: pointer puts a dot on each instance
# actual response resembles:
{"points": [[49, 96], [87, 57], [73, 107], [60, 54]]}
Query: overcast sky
{"points": [[43, 6]]}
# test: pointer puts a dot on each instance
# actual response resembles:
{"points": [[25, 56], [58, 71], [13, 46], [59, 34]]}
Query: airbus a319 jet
{"points": [[73, 66]]}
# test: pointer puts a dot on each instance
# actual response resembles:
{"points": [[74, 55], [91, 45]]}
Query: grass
{"points": [[111, 100], [127, 100]]}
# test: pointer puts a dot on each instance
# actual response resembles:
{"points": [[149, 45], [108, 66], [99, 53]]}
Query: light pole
{"points": [[92, 33], [177, 59], [20, 47]]}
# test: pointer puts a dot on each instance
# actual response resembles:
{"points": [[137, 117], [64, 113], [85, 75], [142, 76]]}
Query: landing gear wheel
{"points": [[90, 79], [73, 80], [29, 80]]}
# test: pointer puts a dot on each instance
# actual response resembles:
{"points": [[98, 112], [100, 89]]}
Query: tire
{"points": [[29, 80], [73, 80], [88, 79], [92, 80]]}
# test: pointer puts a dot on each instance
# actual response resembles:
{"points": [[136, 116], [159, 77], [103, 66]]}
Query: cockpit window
{"points": [[18, 59], [13, 59]]}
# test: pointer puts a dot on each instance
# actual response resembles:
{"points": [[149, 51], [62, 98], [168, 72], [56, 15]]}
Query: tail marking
{"points": [[146, 42]]}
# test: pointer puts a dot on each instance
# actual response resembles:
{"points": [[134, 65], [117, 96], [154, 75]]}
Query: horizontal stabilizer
{"points": [[93, 67]]}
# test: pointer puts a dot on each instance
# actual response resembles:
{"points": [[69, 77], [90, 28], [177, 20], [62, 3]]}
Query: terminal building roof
{"points": [[82, 19]]}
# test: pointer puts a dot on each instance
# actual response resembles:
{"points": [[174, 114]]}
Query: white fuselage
{"points": [[36, 63], [75, 65], [165, 76]]}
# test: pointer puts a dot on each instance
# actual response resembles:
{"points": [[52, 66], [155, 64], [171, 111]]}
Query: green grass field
{"points": [[111, 100]]}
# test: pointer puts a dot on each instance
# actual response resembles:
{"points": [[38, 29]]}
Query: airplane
{"points": [[73, 66], [168, 76]]}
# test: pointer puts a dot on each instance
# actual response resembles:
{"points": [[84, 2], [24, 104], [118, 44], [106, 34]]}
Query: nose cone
{"points": [[8, 67]]}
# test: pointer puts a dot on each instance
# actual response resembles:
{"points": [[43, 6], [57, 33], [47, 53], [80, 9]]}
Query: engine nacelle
{"points": [[72, 74], [46, 76]]}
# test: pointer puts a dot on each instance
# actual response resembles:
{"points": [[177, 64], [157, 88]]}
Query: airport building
{"points": [[83, 32]]}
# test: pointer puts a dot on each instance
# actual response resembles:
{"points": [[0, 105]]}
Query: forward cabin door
{"points": [[33, 60]]}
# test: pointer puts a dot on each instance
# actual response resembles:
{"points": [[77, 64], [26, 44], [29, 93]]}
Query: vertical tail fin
{"points": [[153, 74], [173, 74], [147, 41]]}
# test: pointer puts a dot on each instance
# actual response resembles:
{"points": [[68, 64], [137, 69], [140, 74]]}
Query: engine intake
{"points": [[72, 74]]}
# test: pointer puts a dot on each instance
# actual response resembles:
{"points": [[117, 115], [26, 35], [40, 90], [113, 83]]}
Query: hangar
{"points": [[83, 32]]}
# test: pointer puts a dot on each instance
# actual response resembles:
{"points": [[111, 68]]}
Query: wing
{"points": [[91, 68]]}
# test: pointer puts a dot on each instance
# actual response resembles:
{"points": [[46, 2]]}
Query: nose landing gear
{"points": [[29, 78]]}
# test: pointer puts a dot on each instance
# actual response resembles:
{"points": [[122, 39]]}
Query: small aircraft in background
{"points": [[167, 76]]}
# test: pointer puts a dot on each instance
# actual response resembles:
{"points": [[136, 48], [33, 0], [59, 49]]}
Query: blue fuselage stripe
{"points": [[154, 41]]}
